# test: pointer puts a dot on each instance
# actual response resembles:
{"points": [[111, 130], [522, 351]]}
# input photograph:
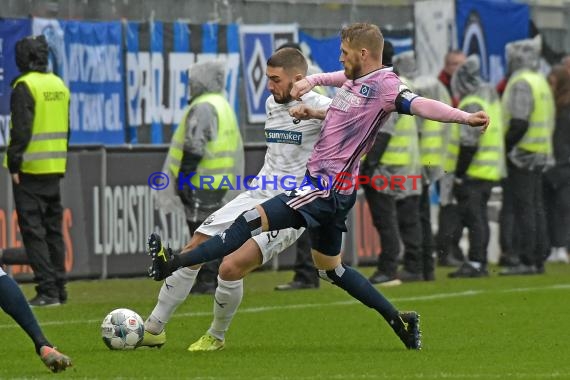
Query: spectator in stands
{"points": [[453, 59], [557, 178], [207, 142], [36, 158], [529, 111], [480, 163]]}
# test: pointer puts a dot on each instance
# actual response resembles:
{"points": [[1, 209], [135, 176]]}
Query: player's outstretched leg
{"points": [[174, 290], [207, 342], [405, 325], [410, 333], [153, 340], [160, 258], [12, 301], [53, 359], [226, 302]]}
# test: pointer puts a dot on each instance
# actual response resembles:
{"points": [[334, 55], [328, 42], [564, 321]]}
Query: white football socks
{"points": [[173, 292], [226, 302]]}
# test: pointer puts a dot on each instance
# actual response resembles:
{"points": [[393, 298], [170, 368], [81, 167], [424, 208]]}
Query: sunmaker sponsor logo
{"points": [[284, 137]]}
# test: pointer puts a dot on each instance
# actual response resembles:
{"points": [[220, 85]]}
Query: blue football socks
{"points": [[13, 302], [355, 284]]}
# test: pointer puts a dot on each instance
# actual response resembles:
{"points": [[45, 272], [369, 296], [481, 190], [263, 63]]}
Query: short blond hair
{"points": [[364, 35]]}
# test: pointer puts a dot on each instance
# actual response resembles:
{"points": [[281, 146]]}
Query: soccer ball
{"points": [[122, 329]]}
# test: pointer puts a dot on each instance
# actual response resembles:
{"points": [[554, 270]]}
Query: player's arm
{"points": [[412, 104], [438, 111], [301, 87], [304, 112]]}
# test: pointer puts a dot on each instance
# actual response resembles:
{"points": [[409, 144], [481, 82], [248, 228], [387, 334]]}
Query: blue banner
{"points": [[484, 27], [88, 57], [159, 55], [325, 52], [258, 42], [11, 30], [401, 44]]}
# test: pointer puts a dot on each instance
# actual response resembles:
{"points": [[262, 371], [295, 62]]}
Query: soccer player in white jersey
{"points": [[366, 98], [289, 144]]}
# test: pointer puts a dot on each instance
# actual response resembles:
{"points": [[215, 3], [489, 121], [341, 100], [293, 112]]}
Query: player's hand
{"points": [[16, 178], [301, 112], [479, 119], [300, 88]]}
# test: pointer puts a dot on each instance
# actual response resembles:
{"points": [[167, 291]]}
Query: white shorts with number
{"points": [[271, 243]]}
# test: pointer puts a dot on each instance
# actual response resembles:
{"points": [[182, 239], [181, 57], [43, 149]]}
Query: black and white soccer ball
{"points": [[122, 329]]}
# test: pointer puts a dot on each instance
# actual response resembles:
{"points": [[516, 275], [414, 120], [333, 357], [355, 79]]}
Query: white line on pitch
{"points": [[261, 309]]}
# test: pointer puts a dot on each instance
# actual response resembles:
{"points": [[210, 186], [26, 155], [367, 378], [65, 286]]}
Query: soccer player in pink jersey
{"points": [[366, 97]]}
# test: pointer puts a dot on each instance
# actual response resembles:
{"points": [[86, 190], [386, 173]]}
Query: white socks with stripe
{"points": [[173, 292], [226, 302]]}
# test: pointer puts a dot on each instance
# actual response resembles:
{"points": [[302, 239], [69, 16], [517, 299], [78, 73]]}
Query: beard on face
{"points": [[285, 97], [354, 71]]}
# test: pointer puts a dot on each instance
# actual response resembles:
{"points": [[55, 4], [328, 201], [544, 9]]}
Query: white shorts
{"points": [[271, 243]]}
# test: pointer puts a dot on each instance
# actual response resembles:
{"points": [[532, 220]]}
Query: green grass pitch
{"points": [[491, 328]]}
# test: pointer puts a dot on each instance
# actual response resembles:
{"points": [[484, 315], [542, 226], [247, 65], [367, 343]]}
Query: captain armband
{"points": [[404, 101]]}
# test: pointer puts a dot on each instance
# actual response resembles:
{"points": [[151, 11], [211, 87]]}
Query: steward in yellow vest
{"points": [[479, 165], [205, 158], [529, 114], [535, 136], [36, 158], [488, 161]]}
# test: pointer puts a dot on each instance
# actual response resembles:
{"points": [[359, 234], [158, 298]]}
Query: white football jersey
{"points": [[289, 145]]}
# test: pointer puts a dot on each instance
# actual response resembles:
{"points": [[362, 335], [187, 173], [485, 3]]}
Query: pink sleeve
{"points": [[434, 110], [335, 79]]}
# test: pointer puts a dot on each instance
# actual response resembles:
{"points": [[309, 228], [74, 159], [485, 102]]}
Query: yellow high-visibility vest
{"points": [[452, 148], [46, 152], [487, 164], [403, 144], [219, 157], [431, 143], [538, 137]]}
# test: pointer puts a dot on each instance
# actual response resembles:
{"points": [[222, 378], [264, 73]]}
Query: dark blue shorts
{"points": [[323, 212]]}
